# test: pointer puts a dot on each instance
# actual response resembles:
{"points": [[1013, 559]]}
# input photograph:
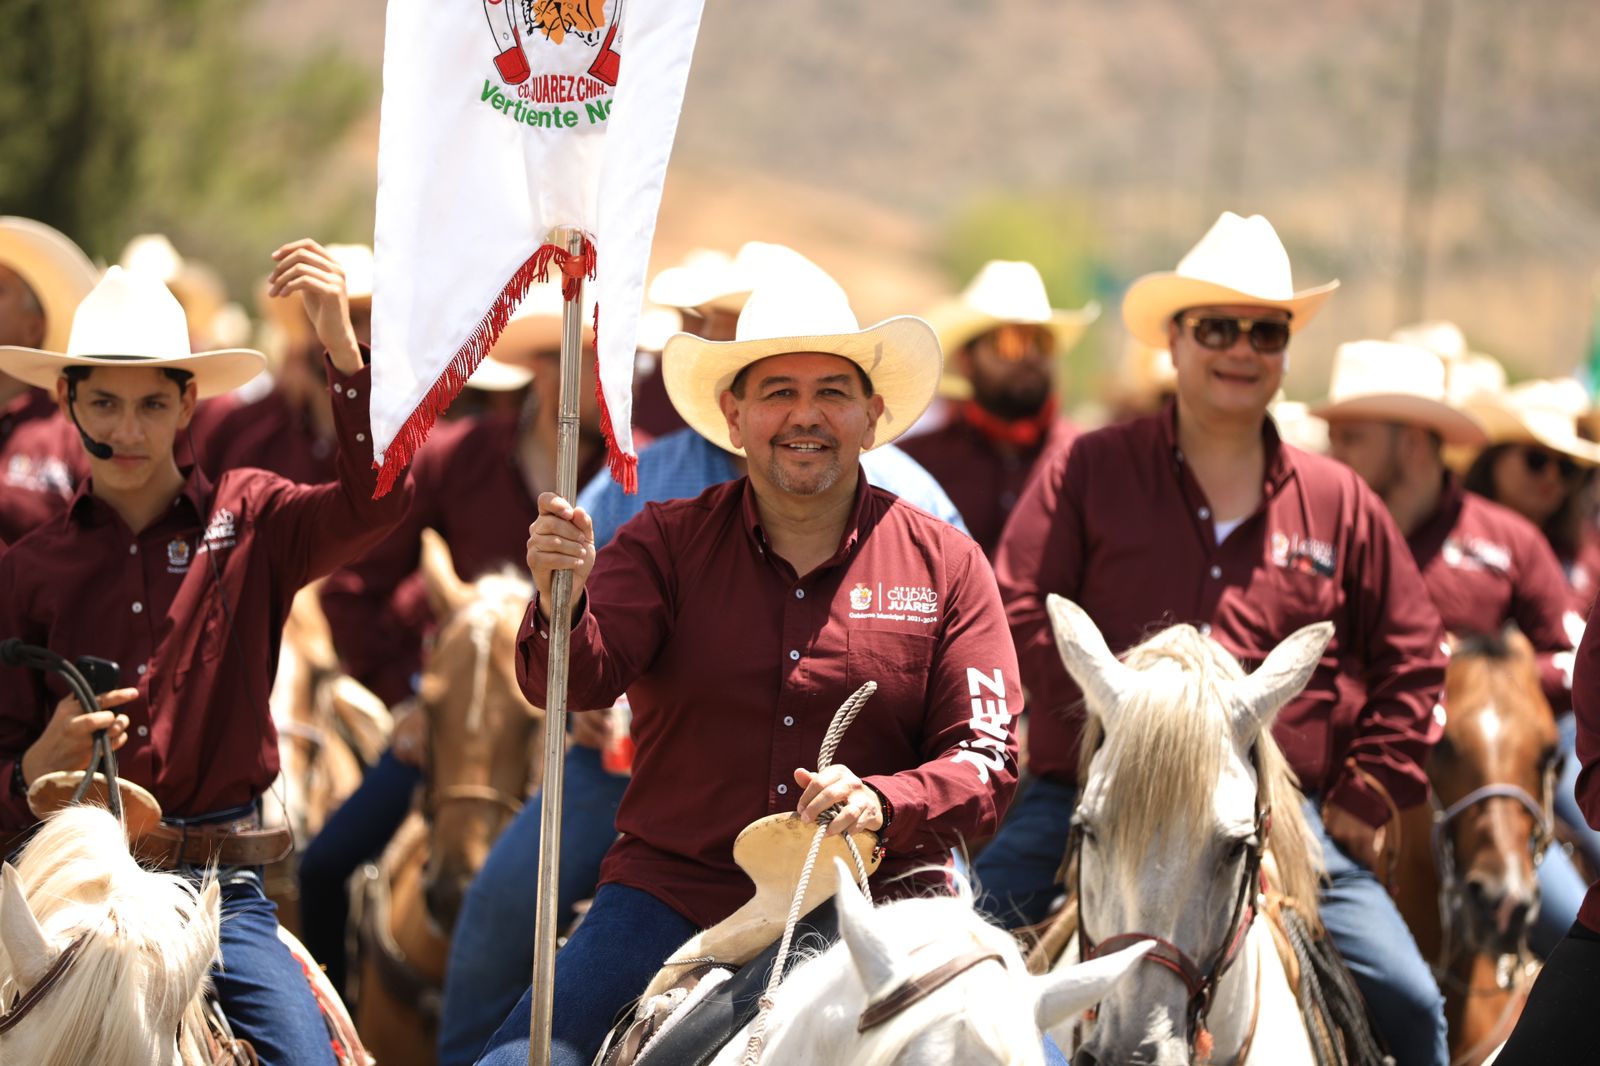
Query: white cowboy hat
{"points": [[1006, 293], [806, 311], [133, 320], [1537, 412], [356, 262], [494, 376], [1238, 261], [54, 268], [1467, 373], [535, 326], [706, 279], [1385, 381]]}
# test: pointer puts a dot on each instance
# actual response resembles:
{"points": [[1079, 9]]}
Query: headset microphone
{"points": [[95, 448]]}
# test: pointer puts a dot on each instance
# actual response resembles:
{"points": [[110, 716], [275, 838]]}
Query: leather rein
{"points": [[1200, 981], [10, 1019]]}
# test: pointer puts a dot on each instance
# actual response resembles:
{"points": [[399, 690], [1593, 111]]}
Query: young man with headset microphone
{"points": [[185, 584]]}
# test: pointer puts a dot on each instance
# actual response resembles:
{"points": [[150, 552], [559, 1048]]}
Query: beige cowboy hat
{"points": [[1467, 373], [535, 326], [133, 320], [1003, 293], [1539, 412], [706, 279], [54, 268], [804, 311], [355, 260], [1238, 261], [1385, 381], [494, 376]]}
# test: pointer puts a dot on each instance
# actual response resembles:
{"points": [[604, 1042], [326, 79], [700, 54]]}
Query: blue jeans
{"points": [[1566, 802], [1017, 871], [617, 948], [1366, 927], [261, 986], [491, 953], [1561, 892], [356, 833]]}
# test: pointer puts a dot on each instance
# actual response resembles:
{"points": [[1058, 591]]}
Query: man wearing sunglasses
{"points": [[1201, 514], [1004, 342], [1485, 566]]}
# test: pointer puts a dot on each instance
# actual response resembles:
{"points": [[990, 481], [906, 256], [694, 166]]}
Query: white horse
{"points": [[988, 1010], [100, 960], [1181, 783]]}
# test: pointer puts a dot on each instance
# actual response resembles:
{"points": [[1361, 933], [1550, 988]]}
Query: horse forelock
{"points": [[120, 1001], [1160, 760]]}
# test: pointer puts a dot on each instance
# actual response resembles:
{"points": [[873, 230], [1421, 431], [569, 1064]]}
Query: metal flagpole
{"points": [[555, 712]]}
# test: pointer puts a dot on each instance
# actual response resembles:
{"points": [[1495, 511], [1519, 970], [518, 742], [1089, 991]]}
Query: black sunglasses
{"points": [[1537, 460], [1268, 336]]}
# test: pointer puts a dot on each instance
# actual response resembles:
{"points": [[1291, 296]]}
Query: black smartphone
{"points": [[103, 675]]}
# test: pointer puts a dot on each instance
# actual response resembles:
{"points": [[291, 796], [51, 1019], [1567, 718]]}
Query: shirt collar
{"points": [[29, 404], [852, 527], [87, 509], [1430, 535], [1280, 459]]}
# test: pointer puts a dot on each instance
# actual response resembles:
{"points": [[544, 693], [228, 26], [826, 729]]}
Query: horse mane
{"points": [[137, 966], [1172, 740]]}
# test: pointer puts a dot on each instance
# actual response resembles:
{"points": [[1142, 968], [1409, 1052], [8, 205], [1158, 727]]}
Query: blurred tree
{"points": [[125, 116]]}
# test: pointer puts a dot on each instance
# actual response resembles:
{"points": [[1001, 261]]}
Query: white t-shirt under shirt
{"points": [[1225, 528]]}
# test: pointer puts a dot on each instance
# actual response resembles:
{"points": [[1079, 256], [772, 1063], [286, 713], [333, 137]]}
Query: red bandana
{"points": [[1023, 434]]}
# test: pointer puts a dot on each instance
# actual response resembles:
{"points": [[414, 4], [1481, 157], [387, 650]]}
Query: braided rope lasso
{"points": [[830, 743]]}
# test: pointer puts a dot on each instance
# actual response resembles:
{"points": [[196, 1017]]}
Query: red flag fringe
{"points": [[574, 268], [624, 467]]}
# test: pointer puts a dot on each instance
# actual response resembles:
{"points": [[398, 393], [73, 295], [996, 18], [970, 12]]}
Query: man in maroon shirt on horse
{"points": [[740, 620], [185, 584], [1201, 514]]}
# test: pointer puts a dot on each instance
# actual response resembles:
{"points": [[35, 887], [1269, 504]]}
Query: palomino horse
{"points": [[329, 728], [1181, 783], [481, 735], [102, 961], [1467, 872]]}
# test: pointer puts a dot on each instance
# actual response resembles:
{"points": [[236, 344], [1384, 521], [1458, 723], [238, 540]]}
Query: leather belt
{"points": [[238, 843]]}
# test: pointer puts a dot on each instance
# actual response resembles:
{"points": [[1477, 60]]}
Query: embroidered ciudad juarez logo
{"points": [[860, 598], [555, 61]]}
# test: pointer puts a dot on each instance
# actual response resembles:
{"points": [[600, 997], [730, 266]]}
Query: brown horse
{"points": [[330, 727], [482, 734], [1467, 869]]}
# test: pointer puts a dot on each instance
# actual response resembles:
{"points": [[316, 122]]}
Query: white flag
{"points": [[502, 120]]}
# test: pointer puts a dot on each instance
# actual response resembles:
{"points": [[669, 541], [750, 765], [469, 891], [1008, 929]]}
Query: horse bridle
{"points": [[914, 990], [1200, 982], [436, 799], [11, 1018]]}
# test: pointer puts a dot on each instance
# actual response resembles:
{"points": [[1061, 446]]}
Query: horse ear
{"points": [[447, 593], [1088, 659], [874, 961], [24, 941], [1280, 678], [1067, 993]]}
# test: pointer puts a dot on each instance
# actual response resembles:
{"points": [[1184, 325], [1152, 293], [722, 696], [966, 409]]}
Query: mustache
{"points": [[817, 435]]}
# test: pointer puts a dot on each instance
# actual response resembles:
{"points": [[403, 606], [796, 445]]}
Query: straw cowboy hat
{"points": [[1002, 293], [494, 376], [1467, 373], [1538, 412], [54, 268], [133, 320], [213, 318], [805, 311], [1385, 381], [706, 279], [1238, 261], [535, 326]]}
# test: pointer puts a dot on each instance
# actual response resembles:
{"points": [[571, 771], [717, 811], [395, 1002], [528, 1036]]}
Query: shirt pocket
{"points": [[199, 640], [901, 664]]}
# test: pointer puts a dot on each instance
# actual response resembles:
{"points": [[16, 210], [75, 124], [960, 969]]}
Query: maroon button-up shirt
{"points": [[983, 478], [467, 486], [1118, 523], [1485, 565], [1583, 572], [201, 736], [734, 668], [269, 434], [41, 463], [1586, 708]]}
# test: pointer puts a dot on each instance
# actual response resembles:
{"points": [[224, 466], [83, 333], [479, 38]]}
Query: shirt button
{"points": [[1205, 630], [361, 436], [795, 656], [133, 549], [143, 731], [799, 594], [137, 607], [1216, 571], [1205, 513], [142, 670], [788, 719], [783, 790], [350, 393]]}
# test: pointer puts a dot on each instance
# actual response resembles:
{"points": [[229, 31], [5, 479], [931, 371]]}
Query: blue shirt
{"points": [[683, 464]]}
